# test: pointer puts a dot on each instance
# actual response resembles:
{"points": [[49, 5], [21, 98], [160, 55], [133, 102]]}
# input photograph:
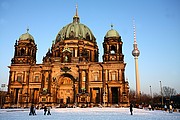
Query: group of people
{"points": [[46, 110], [151, 108], [170, 108]]}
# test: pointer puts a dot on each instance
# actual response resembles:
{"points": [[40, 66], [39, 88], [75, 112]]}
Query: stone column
{"points": [[10, 77], [119, 95], [108, 75], [87, 82], [80, 80], [43, 80], [118, 74], [91, 95], [110, 95], [101, 95], [117, 48], [14, 78], [49, 81], [108, 49]]}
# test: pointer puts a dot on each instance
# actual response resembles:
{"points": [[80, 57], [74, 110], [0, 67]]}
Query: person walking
{"points": [[31, 110], [34, 110], [131, 108], [45, 110], [49, 108], [149, 107], [170, 108], [165, 107]]}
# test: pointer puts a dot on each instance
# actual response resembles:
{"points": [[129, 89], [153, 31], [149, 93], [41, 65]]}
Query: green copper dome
{"points": [[26, 36], [75, 30], [112, 33]]}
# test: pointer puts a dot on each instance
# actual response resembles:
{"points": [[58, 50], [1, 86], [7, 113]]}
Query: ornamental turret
{"points": [[25, 50], [112, 46]]}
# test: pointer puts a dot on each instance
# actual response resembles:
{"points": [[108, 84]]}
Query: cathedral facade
{"points": [[70, 72]]}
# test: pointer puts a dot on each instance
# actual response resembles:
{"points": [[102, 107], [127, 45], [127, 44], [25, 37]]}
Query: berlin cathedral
{"points": [[70, 72]]}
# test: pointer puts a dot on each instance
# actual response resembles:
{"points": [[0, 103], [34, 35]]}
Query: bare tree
{"points": [[168, 91], [131, 95]]}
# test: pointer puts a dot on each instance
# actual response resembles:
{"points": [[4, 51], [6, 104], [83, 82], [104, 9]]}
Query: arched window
{"points": [[113, 49], [96, 76], [87, 36], [36, 79], [83, 76], [66, 59], [22, 51], [113, 75], [71, 35]]}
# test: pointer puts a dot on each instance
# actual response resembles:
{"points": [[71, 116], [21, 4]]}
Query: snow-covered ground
{"points": [[89, 114]]}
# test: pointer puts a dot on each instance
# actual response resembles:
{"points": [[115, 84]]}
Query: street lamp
{"points": [[150, 92], [161, 93]]}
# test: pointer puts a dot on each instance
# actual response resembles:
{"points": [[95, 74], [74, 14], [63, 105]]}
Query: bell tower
{"points": [[25, 50], [112, 46]]}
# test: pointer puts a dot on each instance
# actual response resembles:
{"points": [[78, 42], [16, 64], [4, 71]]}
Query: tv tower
{"points": [[136, 53]]}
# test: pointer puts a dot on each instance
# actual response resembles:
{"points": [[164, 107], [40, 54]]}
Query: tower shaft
{"points": [[136, 53], [137, 78]]}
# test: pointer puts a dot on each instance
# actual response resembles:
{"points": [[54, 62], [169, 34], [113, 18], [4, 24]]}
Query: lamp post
{"points": [[150, 91], [161, 93], [151, 95]]}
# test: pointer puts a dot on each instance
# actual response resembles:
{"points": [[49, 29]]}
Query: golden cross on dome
{"points": [[112, 26], [27, 29]]}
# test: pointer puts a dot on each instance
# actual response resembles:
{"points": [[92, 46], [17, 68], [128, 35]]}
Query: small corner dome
{"points": [[112, 33], [26, 36]]}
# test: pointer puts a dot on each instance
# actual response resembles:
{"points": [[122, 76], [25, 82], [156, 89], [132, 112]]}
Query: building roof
{"points": [[26, 36], [112, 33], [75, 30]]}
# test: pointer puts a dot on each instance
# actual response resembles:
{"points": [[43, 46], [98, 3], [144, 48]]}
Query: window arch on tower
{"points": [[113, 49], [22, 51]]}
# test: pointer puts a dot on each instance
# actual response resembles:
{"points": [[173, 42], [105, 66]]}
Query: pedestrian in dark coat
{"points": [[131, 109], [31, 110], [45, 110]]}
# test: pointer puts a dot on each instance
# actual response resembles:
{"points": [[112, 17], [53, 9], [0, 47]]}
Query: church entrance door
{"points": [[65, 93], [114, 95]]}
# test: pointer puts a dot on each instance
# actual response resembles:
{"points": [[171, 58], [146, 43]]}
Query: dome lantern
{"points": [[76, 17]]}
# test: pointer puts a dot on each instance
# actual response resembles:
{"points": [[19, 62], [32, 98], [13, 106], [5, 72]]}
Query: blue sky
{"points": [[157, 29]]}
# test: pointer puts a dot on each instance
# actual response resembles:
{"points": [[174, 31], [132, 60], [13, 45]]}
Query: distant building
{"points": [[2, 98], [70, 72]]}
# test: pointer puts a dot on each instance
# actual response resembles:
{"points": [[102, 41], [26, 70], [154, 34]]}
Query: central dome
{"points": [[75, 30]]}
